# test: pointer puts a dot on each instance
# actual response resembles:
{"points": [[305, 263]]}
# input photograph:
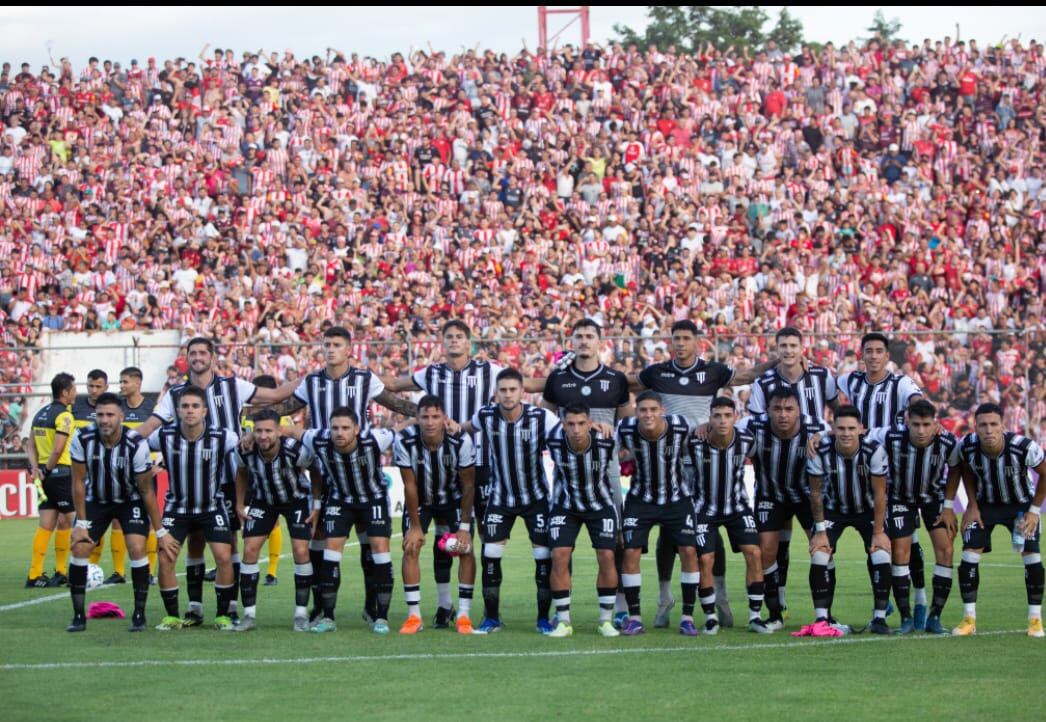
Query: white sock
{"points": [[821, 613], [250, 611], [301, 612], [443, 595], [1034, 611], [969, 609], [412, 596], [664, 591], [620, 605], [720, 590], [464, 603], [196, 607], [781, 597], [920, 595], [879, 614]]}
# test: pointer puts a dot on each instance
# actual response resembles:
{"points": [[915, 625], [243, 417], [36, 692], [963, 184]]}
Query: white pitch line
{"points": [[65, 595], [697, 648]]}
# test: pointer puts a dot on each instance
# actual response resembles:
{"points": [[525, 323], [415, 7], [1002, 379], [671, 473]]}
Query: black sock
{"points": [[969, 581], [756, 594], [881, 585], [316, 559], [619, 560], [719, 565], [632, 599], [706, 593], [329, 585], [302, 584], [383, 585], [771, 579], [140, 583], [902, 591], [916, 566], [78, 587], [491, 586], [665, 552], [170, 601], [783, 547], [236, 581], [1033, 582], [442, 563], [249, 587], [225, 596], [542, 573], [370, 591], [689, 590], [831, 585], [821, 583], [194, 574], [942, 587]]}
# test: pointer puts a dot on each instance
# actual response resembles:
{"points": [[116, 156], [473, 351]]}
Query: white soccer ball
{"points": [[95, 576]]}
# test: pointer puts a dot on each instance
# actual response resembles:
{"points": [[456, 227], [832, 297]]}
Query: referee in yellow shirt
{"points": [[48, 452]]}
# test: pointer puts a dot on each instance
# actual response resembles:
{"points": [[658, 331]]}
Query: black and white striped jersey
{"points": [[719, 475], [111, 471], [602, 390], [513, 449], [815, 389], [357, 388], [581, 480], [780, 464], [881, 404], [659, 477], [463, 392], [436, 471], [846, 481], [916, 475], [1003, 479], [226, 397], [281, 479], [356, 477], [687, 392], [196, 470]]}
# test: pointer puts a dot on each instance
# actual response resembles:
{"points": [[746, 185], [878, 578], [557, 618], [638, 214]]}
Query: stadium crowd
{"points": [[259, 197]]}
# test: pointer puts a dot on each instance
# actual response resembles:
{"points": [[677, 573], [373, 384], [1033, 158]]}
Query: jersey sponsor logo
{"points": [[256, 513], [332, 511], [701, 528], [828, 523], [494, 519], [765, 505], [558, 521], [569, 386], [167, 521], [898, 509], [630, 522]]}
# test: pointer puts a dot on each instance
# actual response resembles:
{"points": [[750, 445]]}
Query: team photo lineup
{"points": [[861, 450]]}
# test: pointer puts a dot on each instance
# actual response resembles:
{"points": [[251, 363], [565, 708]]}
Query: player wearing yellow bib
{"points": [[48, 452]]}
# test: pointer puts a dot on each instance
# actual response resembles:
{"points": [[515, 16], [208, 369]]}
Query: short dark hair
{"points": [[200, 340], [511, 374], [988, 408], [338, 332], [455, 323], [588, 323], [923, 409], [133, 372], [97, 375], [724, 402], [577, 408], [650, 395], [685, 325], [346, 412], [193, 391], [108, 398], [847, 411], [265, 381], [61, 383], [782, 393], [788, 331], [266, 415], [430, 401], [875, 336]]}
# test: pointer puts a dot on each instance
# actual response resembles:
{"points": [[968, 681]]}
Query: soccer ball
{"points": [[448, 543], [95, 576]]}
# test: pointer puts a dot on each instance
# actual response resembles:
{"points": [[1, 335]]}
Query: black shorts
{"points": [[447, 515], [980, 536], [262, 518], [603, 526], [214, 526], [739, 527], [836, 523], [902, 519], [58, 486], [131, 515], [499, 520], [773, 515], [676, 519], [340, 518], [228, 497]]}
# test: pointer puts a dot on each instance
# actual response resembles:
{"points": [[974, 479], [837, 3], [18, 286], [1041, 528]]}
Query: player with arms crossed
{"points": [[438, 470], [924, 475], [847, 477], [272, 481], [996, 469], [583, 495], [112, 479]]}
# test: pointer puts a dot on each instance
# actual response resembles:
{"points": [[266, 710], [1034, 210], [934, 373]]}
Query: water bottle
{"points": [[1018, 537]]}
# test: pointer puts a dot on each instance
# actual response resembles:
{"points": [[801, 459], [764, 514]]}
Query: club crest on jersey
{"points": [[471, 382], [809, 393], [864, 470], [604, 386], [206, 454], [668, 452], [526, 434], [880, 397], [1013, 473], [446, 460]]}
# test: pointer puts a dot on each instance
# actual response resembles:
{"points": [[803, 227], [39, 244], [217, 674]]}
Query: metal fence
{"points": [[956, 369]]}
